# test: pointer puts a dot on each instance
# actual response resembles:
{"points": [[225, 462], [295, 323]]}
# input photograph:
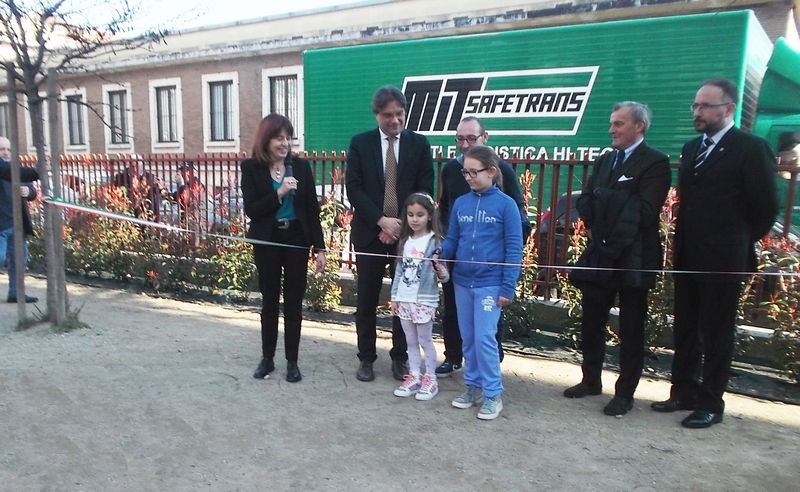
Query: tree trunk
{"points": [[37, 134], [59, 311]]}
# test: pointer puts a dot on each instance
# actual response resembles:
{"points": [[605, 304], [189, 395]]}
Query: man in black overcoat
{"points": [[620, 205]]}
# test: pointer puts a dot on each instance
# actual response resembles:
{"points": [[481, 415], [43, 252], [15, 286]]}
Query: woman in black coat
{"points": [[281, 201]]}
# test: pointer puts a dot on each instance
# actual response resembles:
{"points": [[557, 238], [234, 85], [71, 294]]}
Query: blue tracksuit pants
{"points": [[478, 314]]}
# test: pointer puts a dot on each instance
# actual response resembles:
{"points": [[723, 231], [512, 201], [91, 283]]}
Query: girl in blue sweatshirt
{"points": [[485, 239]]}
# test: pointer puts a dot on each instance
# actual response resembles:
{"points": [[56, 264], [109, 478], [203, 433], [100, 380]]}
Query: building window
{"points": [[282, 92], [166, 115], [283, 96], [118, 112], [75, 120], [221, 112], [4, 123], [118, 118]]}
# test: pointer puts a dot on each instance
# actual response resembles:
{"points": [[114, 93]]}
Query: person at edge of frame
{"points": [[28, 193], [728, 201]]}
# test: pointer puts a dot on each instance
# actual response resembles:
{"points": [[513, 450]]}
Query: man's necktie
{"points": [[620, 159], [702, 152], [390, 182]]}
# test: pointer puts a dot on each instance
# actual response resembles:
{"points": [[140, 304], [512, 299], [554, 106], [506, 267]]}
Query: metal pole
{"points": [[55, 213], [16, 201]]}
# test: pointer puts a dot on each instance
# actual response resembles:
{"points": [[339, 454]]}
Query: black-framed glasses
{"points": [[469, 138], [473, 173], [694, 107]]}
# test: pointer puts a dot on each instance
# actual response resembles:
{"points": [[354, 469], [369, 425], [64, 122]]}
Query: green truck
{"points": [[547, 93]]}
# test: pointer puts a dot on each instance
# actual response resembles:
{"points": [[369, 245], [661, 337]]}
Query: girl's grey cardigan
{"points": [[428, 293]]}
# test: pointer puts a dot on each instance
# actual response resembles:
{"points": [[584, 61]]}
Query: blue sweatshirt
{"points": [[485, 228]]}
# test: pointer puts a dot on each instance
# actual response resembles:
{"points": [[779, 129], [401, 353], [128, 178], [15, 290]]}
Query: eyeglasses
{"points": [[473, 173], [703, 106], [469, 138]]}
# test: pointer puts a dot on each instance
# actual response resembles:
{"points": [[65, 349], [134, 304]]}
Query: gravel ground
{"points": [[158, 394]]}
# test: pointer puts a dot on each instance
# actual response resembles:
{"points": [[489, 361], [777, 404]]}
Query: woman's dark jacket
{"points": [[261, 200]]}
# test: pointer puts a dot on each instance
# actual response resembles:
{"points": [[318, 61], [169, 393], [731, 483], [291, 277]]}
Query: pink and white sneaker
{"points": [[428, 389], [410, 386]]}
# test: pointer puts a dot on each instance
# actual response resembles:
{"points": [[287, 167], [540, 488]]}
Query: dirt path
{"points": [[158, 395]]}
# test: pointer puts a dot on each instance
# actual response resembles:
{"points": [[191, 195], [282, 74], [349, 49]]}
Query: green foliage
{"points": [[323, 292], [233, 265], [661, 297], [520, 317], [101, 245], [161, 259], [571, 296], [72, 321], [772, 301], [27, 323]]}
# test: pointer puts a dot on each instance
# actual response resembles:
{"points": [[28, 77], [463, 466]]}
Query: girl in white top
{"points": [[415, 291]]}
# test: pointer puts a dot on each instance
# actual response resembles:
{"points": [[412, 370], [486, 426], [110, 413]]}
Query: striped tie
{"points": [[702, 152], [390, 181]]}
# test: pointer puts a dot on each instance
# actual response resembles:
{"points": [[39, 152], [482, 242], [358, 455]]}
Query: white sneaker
{"points": [[491, 408], [410, 386], [468, 398], [428, 389]]}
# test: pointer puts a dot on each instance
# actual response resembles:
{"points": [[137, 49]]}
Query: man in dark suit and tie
{"points": [[728, 201], [620, 205], [384, 166]]}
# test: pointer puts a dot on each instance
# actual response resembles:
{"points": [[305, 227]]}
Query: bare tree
{"points": [[41, 38]]}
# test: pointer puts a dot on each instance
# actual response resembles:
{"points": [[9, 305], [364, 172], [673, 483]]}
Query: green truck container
{"points": [[548, 92]]}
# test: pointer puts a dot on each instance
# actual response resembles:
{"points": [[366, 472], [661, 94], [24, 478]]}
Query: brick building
{"points": [[204, 90]]}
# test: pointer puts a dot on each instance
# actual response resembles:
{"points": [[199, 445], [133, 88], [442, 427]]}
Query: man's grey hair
{"points": [[386, 95], [639, 111]]}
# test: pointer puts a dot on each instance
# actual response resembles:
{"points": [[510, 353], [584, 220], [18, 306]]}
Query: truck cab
{"points": [[778, 121]]}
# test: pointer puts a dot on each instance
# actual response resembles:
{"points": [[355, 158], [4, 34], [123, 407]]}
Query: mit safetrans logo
{"points": [[520, 102]]}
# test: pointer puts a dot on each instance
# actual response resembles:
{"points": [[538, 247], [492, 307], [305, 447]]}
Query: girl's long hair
{"points": [[435, 223], [486, 156]]}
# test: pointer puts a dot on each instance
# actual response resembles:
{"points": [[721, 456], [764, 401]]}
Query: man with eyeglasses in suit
{"points": [[728, 201], [469, 133]]}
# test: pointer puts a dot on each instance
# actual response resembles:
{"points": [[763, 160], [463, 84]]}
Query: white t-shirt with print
{"points": [[409, 268]]}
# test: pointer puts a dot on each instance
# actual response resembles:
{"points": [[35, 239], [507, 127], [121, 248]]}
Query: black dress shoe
{"points": [[583, 389], [618, 406], [700, 419], [671, 405], [365, 372], [264, 368], [28, 299], [399, 369], [293, 372]]}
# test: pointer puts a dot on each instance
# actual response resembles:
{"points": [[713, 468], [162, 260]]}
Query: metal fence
{"points": [[549, 186]]}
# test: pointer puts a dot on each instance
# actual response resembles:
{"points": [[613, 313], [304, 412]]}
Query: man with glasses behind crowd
{"points": [[728, 201], [470, 133]]}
